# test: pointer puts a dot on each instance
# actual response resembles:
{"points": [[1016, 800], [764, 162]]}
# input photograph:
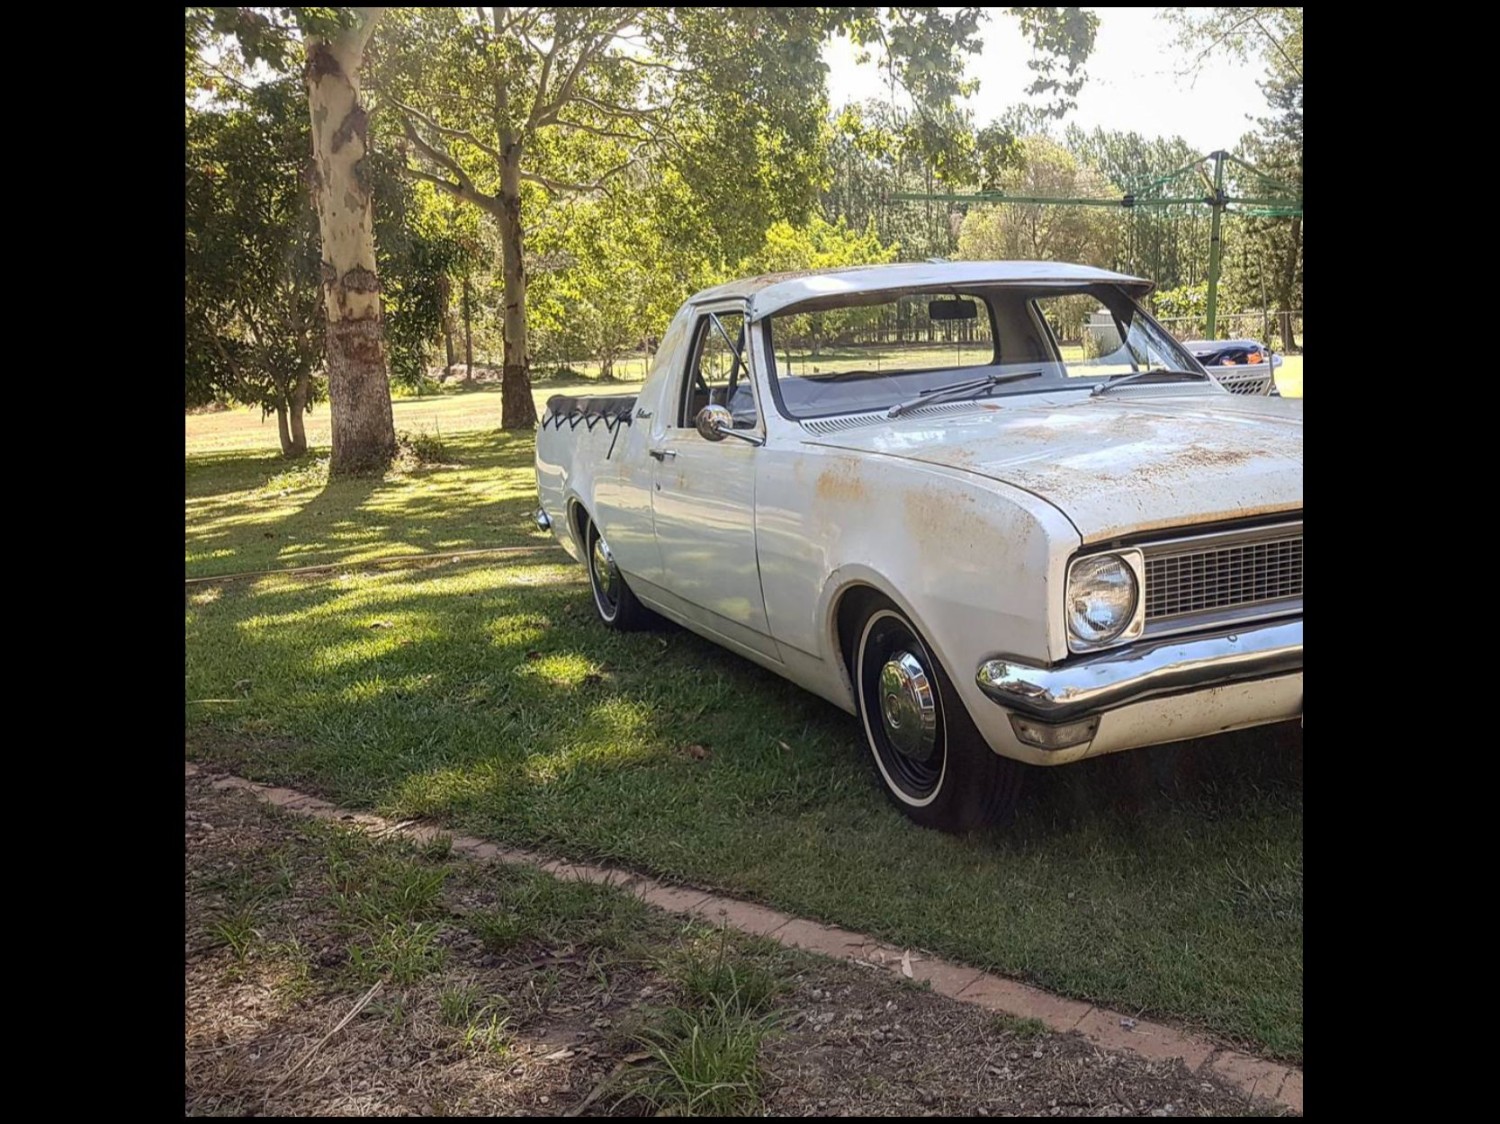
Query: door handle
{"points": [[663, 454]]}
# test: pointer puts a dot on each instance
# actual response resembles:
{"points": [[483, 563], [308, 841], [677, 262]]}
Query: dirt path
{"points": [[492, 990]]}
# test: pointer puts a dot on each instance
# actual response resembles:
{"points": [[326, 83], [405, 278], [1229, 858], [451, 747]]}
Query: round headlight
{"points": [[1101, 598]]}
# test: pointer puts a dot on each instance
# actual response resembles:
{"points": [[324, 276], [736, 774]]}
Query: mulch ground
{"points": [[269, 976]]}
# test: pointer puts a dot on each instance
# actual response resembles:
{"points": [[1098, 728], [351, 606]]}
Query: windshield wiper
{"points": [[1157, 374], [975, 385]]}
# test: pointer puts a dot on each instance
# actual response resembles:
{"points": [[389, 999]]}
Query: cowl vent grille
{"points": [[859, 421]]}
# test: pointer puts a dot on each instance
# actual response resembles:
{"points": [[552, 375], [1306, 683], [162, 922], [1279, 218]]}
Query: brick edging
{"points": [[1107, 1029]]}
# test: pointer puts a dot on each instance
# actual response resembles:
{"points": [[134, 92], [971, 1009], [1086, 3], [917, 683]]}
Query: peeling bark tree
{"points": [[290, 424], [445, 294], [517, 411], [364, 433], [468, 335]]}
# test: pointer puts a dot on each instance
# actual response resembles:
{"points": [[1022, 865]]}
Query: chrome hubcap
{"points": [[604, 568], [907, 707]]}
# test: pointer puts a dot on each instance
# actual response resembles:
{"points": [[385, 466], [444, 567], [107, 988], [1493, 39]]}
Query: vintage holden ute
{"points": [[908, 489]]}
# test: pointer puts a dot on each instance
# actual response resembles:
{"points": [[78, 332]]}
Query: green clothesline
{"points": [[1272, 199]]}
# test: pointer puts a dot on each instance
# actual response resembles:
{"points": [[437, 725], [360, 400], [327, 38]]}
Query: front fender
{"points": [[978, 565]]}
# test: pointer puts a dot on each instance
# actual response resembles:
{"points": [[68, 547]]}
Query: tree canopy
{"points": [[253, 314], [512, 110], [569, 175]]}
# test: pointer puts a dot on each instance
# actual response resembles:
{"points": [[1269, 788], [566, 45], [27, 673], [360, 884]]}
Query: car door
{"points": [[703, 499]]}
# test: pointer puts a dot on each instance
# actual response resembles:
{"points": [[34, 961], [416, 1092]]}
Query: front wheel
{"points": [[935, 765], [616, 604]]}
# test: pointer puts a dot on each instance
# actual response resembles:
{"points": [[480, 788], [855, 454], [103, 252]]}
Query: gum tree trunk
{"points": [[468, 335], [359, 391], [298, 413], [517, 411], [445, 294], [283, 432], [1289, 287]]}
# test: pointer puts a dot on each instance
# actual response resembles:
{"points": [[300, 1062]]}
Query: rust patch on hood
{"points": [[1197, 456], [1111, 467]]}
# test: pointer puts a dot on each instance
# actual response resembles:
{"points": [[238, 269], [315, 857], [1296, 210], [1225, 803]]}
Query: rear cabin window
{"points": [[892, 337]]}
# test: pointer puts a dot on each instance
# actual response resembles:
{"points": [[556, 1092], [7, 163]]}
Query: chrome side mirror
{"points": [[714, 423]]}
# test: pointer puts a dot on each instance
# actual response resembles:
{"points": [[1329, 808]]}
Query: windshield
{"points": [[876, 351]]}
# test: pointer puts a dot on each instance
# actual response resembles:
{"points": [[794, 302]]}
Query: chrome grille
{"points": [[1244, 380], [1185, 579], [1249, 386]]}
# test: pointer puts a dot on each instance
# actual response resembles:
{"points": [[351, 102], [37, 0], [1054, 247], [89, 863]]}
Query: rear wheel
{"points": [[932, 760], [616, 604]]}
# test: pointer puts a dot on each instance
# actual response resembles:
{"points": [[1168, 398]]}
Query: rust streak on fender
{"points": [[933, 515], [842, 482]]}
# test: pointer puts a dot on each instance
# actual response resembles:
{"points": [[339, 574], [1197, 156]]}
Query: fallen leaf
{"points": [[380, 624], [638, 1056], [906, 963], [697, 752], [784, 746], [558, 1056]]}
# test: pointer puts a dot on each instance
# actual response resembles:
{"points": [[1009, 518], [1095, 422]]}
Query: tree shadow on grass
{"points": [[217, 474], [254, 512]]}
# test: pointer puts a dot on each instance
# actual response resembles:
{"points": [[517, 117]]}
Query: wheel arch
{"points": [[846, 598], [578, 519], [849, 593]]}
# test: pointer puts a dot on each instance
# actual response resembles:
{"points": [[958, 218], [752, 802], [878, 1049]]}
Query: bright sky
{"points": [[1133, 81]]}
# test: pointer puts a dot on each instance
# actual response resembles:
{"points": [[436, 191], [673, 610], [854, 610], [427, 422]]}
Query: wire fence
{"points": [[1280, 331]]}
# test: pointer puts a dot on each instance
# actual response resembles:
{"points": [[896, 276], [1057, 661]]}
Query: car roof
{"points": [[772, 292]]}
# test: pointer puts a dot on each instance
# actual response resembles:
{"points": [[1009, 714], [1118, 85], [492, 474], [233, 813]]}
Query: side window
{"points": [[717, 374], [1117, 338], [1087, 334]]}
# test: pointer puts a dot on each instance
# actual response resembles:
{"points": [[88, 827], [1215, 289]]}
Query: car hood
{"points": [[1119, 464]]}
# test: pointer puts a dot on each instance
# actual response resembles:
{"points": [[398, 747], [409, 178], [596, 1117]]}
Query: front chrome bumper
{"points": [[1115, 679]]}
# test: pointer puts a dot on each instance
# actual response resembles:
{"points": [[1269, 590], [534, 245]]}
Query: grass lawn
{"points": [[1289, 376], [249, 509], [483, 693]]}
